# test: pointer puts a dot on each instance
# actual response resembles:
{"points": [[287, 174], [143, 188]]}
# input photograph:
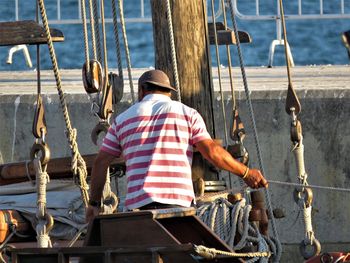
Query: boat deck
{"points": [[330, 80]]}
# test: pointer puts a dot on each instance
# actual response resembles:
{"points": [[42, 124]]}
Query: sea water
{"points": [[312, 41]]}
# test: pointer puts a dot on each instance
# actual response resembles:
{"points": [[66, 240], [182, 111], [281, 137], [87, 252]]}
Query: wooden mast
{"points": [[190, 34], [193, 60]]}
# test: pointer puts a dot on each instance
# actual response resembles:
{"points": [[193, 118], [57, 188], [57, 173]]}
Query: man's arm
{"points": [[98, 180], [98, 174], [222, 159]]}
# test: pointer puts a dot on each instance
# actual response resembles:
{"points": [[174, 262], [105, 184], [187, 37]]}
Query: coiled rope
{"points": [[231, 223], [78, 164], [252, 119]]}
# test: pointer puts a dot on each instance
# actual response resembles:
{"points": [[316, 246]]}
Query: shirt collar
{"points": [[156, 96]]}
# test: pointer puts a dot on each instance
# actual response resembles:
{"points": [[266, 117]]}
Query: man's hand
{"points": [[91, 212], [255, 179]]}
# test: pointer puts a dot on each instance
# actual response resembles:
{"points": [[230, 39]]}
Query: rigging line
{"points": [[330, 188], [78, 163], [285, 41], [126, 48], [252, 118], [85, 32], [219, 72], [97, 30], [223, 7], [105, 62], [38, 75], [173, 49], [92, 28], [117, 42]]}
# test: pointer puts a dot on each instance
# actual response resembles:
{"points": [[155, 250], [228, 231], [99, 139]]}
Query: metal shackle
{"points": [[310, 250], [43, 149], [305, 195]]}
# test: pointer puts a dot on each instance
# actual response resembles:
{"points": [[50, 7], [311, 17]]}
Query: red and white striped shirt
{"points": [[156, 137]]}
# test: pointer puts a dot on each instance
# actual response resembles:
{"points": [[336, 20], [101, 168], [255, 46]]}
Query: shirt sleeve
{"points": [[111, 143], [199, 129]]}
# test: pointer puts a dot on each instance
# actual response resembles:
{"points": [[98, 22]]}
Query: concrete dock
{"points": [[324, 92]]}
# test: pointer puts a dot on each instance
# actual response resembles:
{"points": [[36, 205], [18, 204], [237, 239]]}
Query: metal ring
{"points": [[326, 258], [306, 195], [310, 250], [100, 127], [43, 149]]}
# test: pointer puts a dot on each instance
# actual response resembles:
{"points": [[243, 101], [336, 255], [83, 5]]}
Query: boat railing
{"points": [[343, 12]]}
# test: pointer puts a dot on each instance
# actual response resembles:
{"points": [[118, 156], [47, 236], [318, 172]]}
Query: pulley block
{"points": [[237, 132], [106, 106], [238, 151], [39, 129], [292, 101], [305, 195], [117, 84], [93, 79], [42, 151], [102, 126]]}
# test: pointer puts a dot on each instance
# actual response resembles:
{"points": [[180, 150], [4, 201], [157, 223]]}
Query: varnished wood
{"points": [[26, 32], [193, 61], [57, 168]]}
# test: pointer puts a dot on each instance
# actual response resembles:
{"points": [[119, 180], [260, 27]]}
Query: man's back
{"points": [[156, 137]]}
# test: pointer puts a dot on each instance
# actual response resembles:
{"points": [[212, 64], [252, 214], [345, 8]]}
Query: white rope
{"points": [[42, 178], [212, 253], [227, 220]]}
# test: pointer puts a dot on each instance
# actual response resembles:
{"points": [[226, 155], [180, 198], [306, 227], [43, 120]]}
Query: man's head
{"points": [[154, 81]]}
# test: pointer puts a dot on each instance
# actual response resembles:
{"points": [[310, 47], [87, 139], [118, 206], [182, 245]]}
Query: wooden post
{"points": [[192, 52]]}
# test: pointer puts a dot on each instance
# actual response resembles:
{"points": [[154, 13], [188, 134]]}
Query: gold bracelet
{"points": [[245, 175]]}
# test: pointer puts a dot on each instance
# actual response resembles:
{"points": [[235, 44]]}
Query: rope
{"points": [[104, 39], [116, 36], [219, 72], [252, 119], [230, 221], [211, 253], [78, 163], [85, 31], [97, 30], [42, 178], [173, 49], [126, 46], [92, 28], [330, 188]]}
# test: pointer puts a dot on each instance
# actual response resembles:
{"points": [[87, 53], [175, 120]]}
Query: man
{"points": [[156, 137]]}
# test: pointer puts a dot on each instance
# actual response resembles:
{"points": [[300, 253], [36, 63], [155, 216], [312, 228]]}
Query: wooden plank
{"points": [[26, 32], [57, 168]]}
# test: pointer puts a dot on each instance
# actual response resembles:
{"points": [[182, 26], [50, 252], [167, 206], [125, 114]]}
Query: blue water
{"points": [[312, 41]]}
